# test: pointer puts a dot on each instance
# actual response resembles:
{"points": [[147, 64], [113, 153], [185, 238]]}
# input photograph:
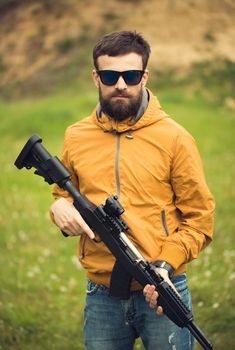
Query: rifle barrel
{"points": [[198, 334]]}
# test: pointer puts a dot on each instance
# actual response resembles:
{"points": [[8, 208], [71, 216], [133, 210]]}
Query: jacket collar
{"points": [[149, 112]]}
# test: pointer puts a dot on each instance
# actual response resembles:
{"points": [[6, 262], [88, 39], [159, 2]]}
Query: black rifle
{"points": [[107, 222]]}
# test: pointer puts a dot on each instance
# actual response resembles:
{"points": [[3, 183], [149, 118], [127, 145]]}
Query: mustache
{"points": [[120, 93]]}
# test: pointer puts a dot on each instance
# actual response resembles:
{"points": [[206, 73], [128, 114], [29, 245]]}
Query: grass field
{"points": [[42, 286]]}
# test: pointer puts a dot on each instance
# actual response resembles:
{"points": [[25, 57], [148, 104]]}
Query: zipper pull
{"points": [[129, 136]]}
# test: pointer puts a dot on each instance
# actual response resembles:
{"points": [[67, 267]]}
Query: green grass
{"points": [[42, 289]]}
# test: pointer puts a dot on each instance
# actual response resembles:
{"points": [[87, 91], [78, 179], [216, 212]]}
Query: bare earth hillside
{"points": [[40, 38]]}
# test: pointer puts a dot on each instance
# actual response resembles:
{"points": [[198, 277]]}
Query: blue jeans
{"points": [[113, 324]]}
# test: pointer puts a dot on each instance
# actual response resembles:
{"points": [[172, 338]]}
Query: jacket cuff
{"points": [[173, 255]]}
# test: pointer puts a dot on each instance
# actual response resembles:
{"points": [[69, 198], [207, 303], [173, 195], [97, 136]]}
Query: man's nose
{"points": [[120, 84]]}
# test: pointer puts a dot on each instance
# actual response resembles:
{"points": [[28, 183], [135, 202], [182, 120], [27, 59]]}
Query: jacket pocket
{"points": [[164, 224]]}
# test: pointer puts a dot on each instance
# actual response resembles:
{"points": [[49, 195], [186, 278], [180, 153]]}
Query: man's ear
{"points": [[95, 77], [145, 78]]}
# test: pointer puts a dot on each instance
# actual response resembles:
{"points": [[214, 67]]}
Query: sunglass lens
{"points": [[109, 77], [132, 77]]}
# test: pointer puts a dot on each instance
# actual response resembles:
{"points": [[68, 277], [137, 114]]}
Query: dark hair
{"points": [[121, 43]]}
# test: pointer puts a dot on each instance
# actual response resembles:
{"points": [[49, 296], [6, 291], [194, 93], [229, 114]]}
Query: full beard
{"points": [[120, 110]]}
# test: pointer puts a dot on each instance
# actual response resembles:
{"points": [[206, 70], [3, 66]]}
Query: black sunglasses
{"points": [[110, 77]]}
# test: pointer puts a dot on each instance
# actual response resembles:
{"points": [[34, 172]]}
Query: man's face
{"points": [[120, 100]]}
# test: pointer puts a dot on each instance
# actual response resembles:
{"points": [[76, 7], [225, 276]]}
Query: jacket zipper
{"points": [[117, 189], [117, 165], [164, 224], [83, 246]]}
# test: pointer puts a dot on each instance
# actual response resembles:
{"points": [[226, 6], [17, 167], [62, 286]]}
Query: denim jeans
{"points": [[113, 324]]}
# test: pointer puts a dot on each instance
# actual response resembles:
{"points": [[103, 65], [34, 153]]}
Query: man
{"points": [[130, 147]]}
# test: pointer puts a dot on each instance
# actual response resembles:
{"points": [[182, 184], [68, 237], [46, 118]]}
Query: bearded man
{"points": [[130, 147]]}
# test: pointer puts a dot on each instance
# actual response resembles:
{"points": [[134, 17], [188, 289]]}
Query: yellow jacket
{"points": [[155, 169]]}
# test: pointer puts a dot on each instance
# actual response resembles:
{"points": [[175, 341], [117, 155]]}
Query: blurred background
{"points": [[45, 85]]}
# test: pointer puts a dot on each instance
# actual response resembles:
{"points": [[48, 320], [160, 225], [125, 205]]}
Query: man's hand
{"points": [[151, 295], [68, 219]]}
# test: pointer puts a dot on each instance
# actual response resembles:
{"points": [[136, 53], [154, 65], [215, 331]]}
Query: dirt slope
{"points": [[40, 37]]}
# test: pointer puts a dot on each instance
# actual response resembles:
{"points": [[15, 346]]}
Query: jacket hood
{"points": [[152, 114]]}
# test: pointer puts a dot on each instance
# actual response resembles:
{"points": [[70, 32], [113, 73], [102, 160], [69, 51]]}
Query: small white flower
{"points": [[23, 236], [36, 269], [72, 282], [63, 289], [232, 276], [215, 305], [228, 254], [54, 277], [30, 274], [200, 304], [46, 252], [208, 250], [207, 273]]}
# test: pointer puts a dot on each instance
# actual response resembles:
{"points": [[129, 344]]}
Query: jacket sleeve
{"points": [[58, 192], [194, 204]]}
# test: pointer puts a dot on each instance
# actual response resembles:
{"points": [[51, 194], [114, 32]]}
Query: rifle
{"points": [[107, 222]]}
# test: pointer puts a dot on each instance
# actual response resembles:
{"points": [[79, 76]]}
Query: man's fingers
{"points": [[68, 219], [148, 292], [82, 227], [75, 229], [159, 311], [151, 296]]}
